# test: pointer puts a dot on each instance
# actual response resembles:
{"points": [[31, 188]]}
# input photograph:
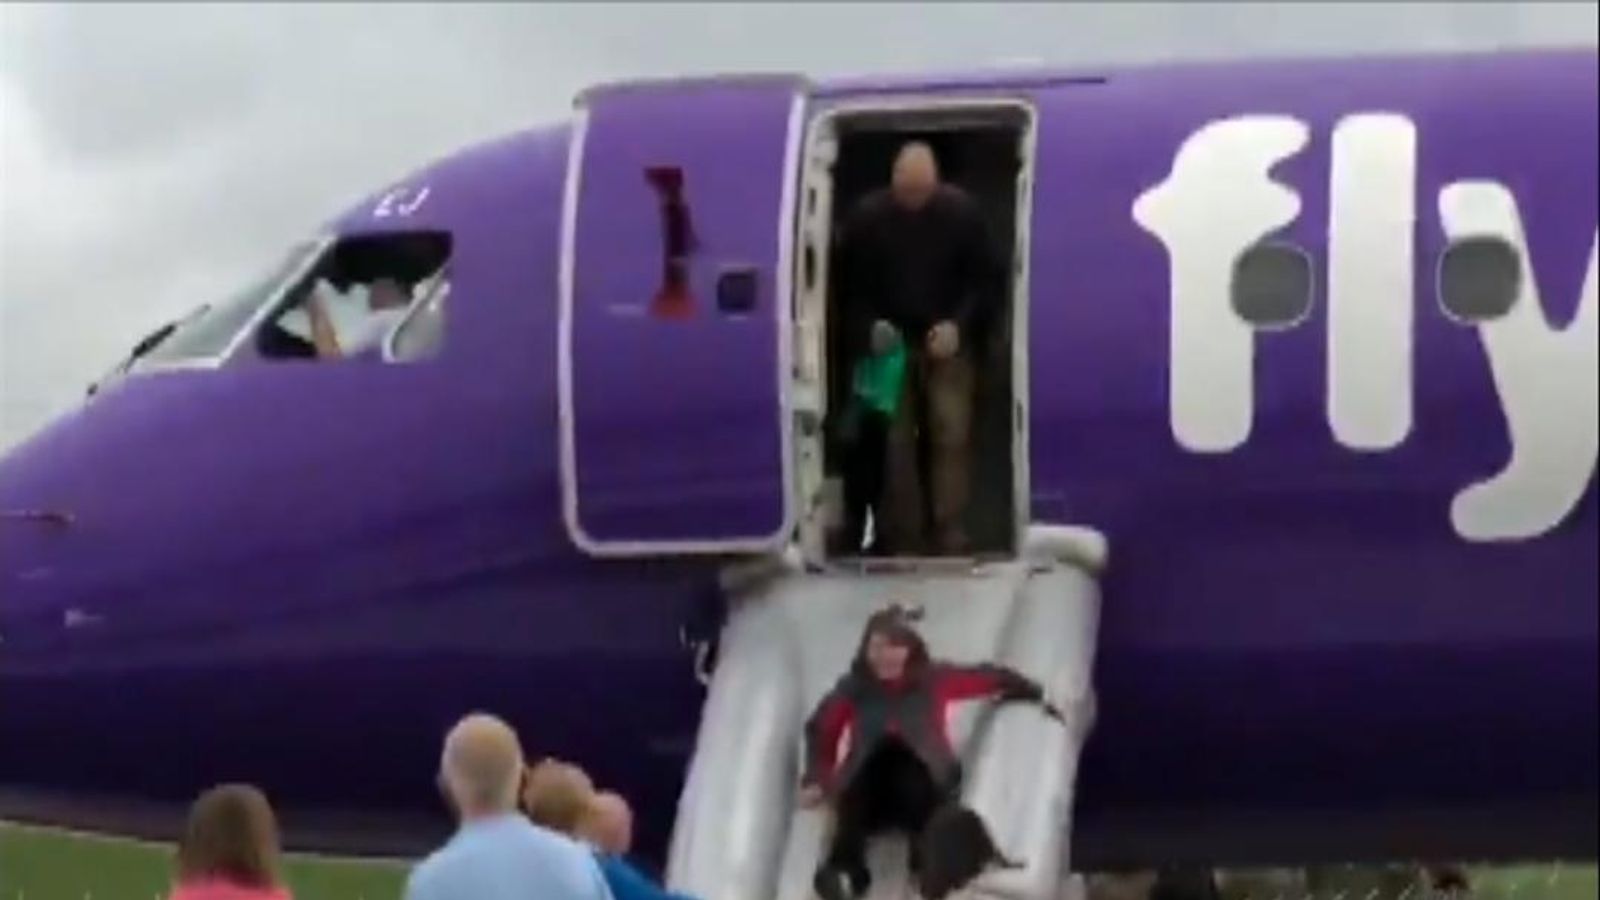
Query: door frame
{"points": [[783, 290], [811, 301]]}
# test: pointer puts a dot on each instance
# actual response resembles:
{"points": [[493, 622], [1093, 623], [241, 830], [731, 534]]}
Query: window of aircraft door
{"points": [[674, 353]]}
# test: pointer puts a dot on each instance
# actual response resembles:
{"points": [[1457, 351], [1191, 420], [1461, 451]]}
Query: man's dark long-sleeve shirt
{"points": [[916, 268]]}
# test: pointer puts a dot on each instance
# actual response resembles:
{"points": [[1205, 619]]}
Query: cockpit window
{"points": [[208, 332], [357, 296], [420, 335], [376, 295]]}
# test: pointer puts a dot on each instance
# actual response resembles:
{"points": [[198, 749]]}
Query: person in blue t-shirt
{"points": [[561, 796], [607, 825]]}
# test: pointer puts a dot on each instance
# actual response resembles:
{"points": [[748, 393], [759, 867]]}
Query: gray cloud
{"points": [[152, 156]]}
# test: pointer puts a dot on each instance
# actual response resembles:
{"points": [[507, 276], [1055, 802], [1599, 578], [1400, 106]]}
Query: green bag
{"points": [[880, 379]]}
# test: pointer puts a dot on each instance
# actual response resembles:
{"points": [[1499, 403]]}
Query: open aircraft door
{"points": [[674, 344]]}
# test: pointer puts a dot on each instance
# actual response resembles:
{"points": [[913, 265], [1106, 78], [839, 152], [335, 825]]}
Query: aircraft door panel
{"points": [[674, 359]]}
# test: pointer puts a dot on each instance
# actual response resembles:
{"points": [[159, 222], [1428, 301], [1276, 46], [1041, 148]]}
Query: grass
{"points": [[1525, 882], [44, 864], [1539, 883]]}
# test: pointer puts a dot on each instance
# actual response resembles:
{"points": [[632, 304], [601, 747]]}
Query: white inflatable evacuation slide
{"points": [[791, 633]]}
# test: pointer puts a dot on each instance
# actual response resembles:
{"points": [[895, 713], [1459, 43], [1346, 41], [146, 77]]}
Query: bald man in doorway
{"points": [[919, 265]]}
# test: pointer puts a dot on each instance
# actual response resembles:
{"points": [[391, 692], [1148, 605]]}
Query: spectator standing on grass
{"points": [[561, 796], [230, 848], [498, 854], [608, 824]]}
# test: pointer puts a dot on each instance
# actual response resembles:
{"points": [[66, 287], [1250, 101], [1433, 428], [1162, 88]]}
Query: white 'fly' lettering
{"points": [[1220, 198]]}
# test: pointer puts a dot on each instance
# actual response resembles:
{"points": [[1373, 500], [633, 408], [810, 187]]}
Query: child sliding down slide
{"points": [[900, 771]]}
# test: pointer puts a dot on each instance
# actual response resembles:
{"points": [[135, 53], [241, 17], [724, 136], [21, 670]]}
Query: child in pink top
{"points": [[224, 890], [230, 848]]}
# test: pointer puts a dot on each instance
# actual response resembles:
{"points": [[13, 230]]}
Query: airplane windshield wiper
{"points": [[153, 339]]}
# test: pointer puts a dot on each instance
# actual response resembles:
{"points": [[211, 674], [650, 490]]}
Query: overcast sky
{"points": [[151, 157]]}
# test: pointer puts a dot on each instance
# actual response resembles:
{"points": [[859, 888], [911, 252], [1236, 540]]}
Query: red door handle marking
{"points": [[673, 298]]}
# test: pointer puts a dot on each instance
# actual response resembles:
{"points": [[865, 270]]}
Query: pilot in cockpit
{"points": [[337, 323], [341, 324]]}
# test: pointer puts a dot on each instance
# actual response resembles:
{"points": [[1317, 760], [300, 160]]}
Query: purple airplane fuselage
{"points": [[1351, 604]]}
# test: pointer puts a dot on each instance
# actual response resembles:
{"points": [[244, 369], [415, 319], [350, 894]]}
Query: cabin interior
{"points": [[983, 150]]}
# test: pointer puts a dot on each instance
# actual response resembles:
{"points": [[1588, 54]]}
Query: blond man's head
{"points": [[557, 795], [481, 765]]}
